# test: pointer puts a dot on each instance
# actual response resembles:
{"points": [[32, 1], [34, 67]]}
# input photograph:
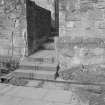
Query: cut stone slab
{"points": [[6, 89], [34, 102], [30, 74], [28, 93], [48, 60], [54, 86], [8, 100], [13, 91], [38, 66], [58, 96], [33, 83], [44, 54], [61, 104]]}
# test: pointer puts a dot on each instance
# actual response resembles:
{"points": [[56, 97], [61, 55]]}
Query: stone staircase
{"points": [[41, 65]]}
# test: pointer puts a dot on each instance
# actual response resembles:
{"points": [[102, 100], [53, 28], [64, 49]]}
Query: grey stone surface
{"points": [[28, 92], [58, 96], [78, 95], [43, 60], [34, 102], [12, 24], [30, 74], [8, 100], [38, 66], [6, 89], [33, 83]]}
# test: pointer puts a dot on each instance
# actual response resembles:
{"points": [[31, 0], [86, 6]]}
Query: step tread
{"points": [[38, 59], [33, 71], [30, 74], [44, 54], [37, 67], [27, 63]]}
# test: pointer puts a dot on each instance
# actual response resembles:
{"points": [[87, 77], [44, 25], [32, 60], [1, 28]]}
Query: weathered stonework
{"points": [[81, 41], [12, 26], [84, 12]]}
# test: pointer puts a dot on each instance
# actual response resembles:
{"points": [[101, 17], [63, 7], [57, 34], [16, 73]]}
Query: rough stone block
{"points": [[78, 51], [28, 92], [38, 66], [34, 102], [18, 51], [5, 42], [96, 14], [4, 52], [19, 42], [11, 25], [84, 7], [76, 16], [62, 32], [100, 24], [30, 74], [100, 5]]}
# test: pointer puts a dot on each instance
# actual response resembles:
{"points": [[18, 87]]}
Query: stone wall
{"points": [[81, 42], [82, 18], [12, 28]]}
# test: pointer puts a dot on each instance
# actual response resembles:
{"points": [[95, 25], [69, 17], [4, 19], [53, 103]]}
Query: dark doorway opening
{"points": [[39, 26]]}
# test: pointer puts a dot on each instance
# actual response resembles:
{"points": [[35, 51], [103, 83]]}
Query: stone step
{"points": [[44, 54], [48, 60], [49, 46], [31, 74], [38, 66]]}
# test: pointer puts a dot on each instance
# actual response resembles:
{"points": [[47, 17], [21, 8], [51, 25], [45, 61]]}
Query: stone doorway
{"points": [[13, 31], [42, 22]]}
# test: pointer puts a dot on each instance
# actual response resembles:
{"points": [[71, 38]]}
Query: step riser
{"points": [[41, 65], [45, 68], [32, 76], [42, 60], [26, 67]]}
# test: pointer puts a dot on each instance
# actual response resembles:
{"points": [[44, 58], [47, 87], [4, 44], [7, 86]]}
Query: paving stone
{"points": [[55, 86], [29, 92], [58, 96], [13, 91], [8, 100], [50, 85], [34, 102], [6, 89], [33, 83], [37, 102], [2, 86], [61, 104]]}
